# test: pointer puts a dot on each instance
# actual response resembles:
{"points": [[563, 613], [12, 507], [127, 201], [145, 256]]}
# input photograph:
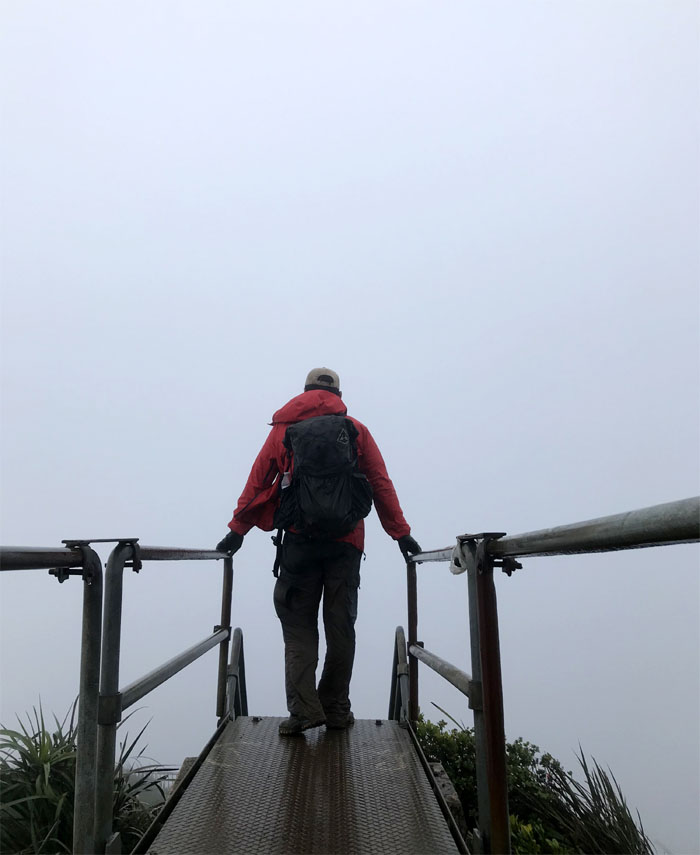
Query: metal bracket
{"points": [[109, 709], [508, 564], [219, 627], [135, 563], [63, 573], [476, 697], [86, 571], [485, 561]]}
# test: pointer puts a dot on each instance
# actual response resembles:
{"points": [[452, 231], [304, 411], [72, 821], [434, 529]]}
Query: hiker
{"points": [[314, 480]]}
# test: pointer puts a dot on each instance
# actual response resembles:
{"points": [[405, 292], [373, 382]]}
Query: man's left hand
{"points": [[231, 543], [408, 546]]}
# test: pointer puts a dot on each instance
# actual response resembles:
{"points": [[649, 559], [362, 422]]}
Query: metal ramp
{"points": [[361, 790]]}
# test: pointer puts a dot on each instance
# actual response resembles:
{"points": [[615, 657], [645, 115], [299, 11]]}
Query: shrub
{"points": [[550, 811], [37, 786]]}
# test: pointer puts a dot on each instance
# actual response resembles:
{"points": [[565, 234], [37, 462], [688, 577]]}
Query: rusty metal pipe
{"points": [[226, 598], [109, 687], [175, 553], [38, 558], [492, 687]]}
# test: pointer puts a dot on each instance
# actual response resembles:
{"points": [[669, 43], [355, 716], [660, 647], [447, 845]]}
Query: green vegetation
{"points": [[550, 811], [37, 785]]}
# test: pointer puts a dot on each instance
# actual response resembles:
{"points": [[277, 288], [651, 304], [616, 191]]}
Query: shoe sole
{"points": [[297, 731]]}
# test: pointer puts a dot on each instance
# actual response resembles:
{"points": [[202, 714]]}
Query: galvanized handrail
{"points": [[660, 525], [39, 557], [399, 691], [101, 703], [141, 687], [398, 711], [64, 562], [454, 675], [668, 524], [237, 694], [174, 553], [114, 700]]}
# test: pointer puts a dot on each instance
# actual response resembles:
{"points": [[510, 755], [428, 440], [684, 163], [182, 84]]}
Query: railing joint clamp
{"points": [[63, 573], [484, 559], [109, 709], [401, 669], [476, 695], [136, 564], [508, 564], [219, 627]]}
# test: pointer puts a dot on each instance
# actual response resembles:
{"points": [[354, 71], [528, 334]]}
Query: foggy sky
{"points": [[483, 216]]}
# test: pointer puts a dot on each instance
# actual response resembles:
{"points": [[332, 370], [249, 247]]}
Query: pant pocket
{"points": [[281, 596]]}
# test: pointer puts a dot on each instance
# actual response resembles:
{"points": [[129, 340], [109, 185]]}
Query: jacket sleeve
{"points": [[371, 463], [258, 500]]}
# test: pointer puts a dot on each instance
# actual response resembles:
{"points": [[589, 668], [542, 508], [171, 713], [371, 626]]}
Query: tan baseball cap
{"points": [[322, 378]]}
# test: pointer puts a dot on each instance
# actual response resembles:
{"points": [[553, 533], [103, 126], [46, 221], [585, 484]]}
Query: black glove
{"points": [[231, 543], [408, 546]]}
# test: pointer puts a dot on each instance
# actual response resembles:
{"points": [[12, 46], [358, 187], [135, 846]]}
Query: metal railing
{"points": [[101, 701], [237, 705], [478, 555], [398, 711], [63, 562]]}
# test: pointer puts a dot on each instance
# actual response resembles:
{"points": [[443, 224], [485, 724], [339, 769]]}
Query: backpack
{"points": [[326, 495]]}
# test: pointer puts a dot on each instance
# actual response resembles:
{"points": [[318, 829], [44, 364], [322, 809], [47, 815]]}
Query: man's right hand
{"points": [[231, 543]]}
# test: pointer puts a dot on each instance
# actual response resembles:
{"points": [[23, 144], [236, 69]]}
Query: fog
{"points": [[483, 216]]}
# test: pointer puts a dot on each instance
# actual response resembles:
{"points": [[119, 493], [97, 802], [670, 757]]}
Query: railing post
{"points": [[237, 702], [492, 691], [412, 592], [399, 696], [482, 782], [86, 755], [109, 692], [226, 597]]}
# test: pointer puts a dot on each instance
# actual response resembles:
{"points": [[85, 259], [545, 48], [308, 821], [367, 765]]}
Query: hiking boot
{"points": [[340, 722], [296, 724]]}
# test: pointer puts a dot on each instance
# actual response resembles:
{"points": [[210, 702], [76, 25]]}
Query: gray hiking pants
{"points": [[309, 570]]}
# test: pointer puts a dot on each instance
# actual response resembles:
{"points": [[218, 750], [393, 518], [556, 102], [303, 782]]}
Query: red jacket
{"points": [[260, 496]]}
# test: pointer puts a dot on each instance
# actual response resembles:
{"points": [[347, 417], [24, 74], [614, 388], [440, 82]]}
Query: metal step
{"points": [[361, 790]]}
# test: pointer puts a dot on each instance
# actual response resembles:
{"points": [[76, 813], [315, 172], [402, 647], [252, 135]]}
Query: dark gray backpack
{"points": [[327, 495]]}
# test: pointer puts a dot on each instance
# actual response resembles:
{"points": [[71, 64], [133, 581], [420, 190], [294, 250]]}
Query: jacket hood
{"points": [[315, 402]]}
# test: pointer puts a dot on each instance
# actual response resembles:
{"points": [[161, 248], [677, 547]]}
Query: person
{"points": [[311, 568]]}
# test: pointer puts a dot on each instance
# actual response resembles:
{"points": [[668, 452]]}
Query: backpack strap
{"points": [[277, 540]]}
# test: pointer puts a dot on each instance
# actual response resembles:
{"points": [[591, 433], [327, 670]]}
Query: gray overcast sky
{"points": [[484, 216]]}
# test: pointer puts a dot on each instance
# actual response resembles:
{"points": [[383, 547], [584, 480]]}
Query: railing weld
{"points": [[136, 690], [454, 675]]}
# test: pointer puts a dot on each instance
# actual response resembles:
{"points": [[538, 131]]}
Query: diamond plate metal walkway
{"points": [[357, 791]]}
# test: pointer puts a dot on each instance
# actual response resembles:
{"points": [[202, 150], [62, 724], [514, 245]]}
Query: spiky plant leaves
{"points": [[594, 813], [37, 772], [551, 812]]}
